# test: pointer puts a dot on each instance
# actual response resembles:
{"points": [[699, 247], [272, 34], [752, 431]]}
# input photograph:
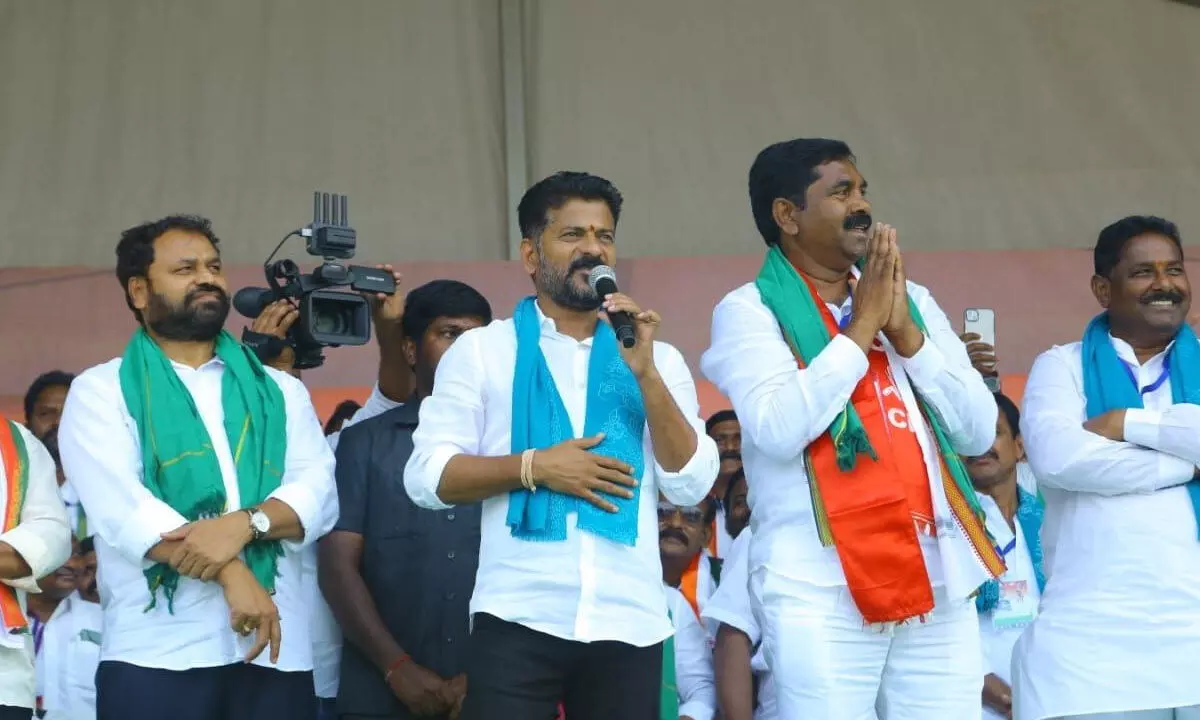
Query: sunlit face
{"points": [[682, 531], [834, 224], [579, 236], [1148, 289], [438, 337], [727, 434], [184, 295], [47, 411]]}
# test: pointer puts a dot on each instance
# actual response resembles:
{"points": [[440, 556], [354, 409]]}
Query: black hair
{"points": [[786, 170], [709, 503], [54, 378], [734, 479], [1113, 239], [135, 251], [439, 299], [555, 191], [1011, 413], [87, 545], [343, 412], [717, 418]]}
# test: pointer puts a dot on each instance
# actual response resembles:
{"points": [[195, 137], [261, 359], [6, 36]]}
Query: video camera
{"points": [[328, 318]]}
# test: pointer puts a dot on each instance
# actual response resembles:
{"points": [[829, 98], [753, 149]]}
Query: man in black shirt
{"points": [[397, 577]]}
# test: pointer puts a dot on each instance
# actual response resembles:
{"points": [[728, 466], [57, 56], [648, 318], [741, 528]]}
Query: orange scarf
{"points": [[689, 584], [875, 510], [16, 480]]}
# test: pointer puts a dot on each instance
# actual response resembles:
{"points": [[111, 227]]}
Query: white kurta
{"points": [[70, 653], [1119, 625], [693, 661]]}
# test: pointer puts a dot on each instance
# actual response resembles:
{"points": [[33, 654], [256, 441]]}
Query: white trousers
{"points": [[827, 664], [1187, 713]]}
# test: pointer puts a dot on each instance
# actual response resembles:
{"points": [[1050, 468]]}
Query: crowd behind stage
{"points": [[528, 519]]}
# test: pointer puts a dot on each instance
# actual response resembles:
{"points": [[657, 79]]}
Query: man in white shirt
{"points": [[682, 534], [568, 603], [855, 399], [693, 661], [70, 646], [1014, 520], [44, 402], [204, 475], [1112, 429], [723, 427], [35, 539], [745, 690]]}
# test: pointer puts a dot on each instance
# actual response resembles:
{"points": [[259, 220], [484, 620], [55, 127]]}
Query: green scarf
{"points": [[787, 296], [179, 464], [668, 705]]}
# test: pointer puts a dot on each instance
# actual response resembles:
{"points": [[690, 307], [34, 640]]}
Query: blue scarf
{"points": [[1108, 384], [539, 420], [1029, 518]]}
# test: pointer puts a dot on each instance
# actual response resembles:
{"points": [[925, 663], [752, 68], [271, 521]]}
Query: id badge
{"points": [[1016, 607]]}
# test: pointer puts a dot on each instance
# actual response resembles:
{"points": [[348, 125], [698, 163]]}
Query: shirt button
{"points": [[450, 596], [450, 554], [450, 517], [449, 641]]}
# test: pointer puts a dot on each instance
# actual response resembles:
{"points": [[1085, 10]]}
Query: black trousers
{"points": [[514, 673], [10, 712], [229, 692]]}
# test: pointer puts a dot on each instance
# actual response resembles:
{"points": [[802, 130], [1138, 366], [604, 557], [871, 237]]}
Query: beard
{"points": [[559, 285], [191, 320], [50, 440]]}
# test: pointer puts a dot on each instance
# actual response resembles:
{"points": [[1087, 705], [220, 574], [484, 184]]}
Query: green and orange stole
{"points": [[16, 482], [868, 479]]}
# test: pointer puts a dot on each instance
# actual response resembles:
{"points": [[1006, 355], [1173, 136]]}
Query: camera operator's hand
{"points": [[387, 309], [275, 320]]}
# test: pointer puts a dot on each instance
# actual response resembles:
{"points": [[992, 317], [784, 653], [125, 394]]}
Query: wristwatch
{"points": [[260, 524]]}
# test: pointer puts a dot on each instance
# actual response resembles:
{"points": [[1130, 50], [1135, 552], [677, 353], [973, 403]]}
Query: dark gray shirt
{"points": [[418, 564]]}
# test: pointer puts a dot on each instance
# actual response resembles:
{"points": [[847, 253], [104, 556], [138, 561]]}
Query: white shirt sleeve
{"points": [[691, 483], [450, 422], [693, 662], [941, 372], [781, 408], [730, 604], [103, 463], [308, 486], [43, 533], [377, 404], [1065, 456], [1175, 430]]}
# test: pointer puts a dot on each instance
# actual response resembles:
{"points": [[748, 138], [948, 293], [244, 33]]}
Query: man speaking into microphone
{"points": [[567, 434]]}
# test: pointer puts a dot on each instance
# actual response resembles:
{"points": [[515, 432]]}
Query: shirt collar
{"points": [[1125, 352], [407, 414], [548, 326]]}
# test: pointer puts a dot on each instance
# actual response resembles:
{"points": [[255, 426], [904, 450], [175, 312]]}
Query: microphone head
{"points": [[603, 280]]}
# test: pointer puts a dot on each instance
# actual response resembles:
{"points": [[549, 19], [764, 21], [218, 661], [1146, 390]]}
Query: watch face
{"points": [[261, 522]]}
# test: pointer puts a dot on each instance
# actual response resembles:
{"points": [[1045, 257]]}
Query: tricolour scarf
{"points": [[1109, 384], [540, 421], [1030, 512], [858, 506], [15, 458], [179, 465]]}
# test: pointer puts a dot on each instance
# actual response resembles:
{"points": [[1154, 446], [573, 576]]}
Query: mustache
{"points": [[990, 454], [1156, 295], [196, 291], [731, 455], [673, 533], [857, 221], [587, 262]]}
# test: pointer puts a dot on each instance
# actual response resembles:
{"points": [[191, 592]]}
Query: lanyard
{"points": [[39, 631], [844, 322], [1007, 548], [1162, 376]]}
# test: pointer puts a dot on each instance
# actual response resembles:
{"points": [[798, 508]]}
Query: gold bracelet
{"points": [[527, 470]]}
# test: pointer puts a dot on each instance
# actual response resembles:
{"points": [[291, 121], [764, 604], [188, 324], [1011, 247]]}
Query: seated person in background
{"points": [[35, 538], [1014, 520], [688, 689], [735, 505], [69, 650], [745, 690], [46, 605], [723, 427], [683, 532]]}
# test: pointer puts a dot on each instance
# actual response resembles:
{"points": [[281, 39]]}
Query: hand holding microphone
{"points": [[635, 328]]}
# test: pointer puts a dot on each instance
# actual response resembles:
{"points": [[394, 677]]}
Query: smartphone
{"points": [[982, 322]]}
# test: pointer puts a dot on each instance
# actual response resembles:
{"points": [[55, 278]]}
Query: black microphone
{"points": [[603, 280]]}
